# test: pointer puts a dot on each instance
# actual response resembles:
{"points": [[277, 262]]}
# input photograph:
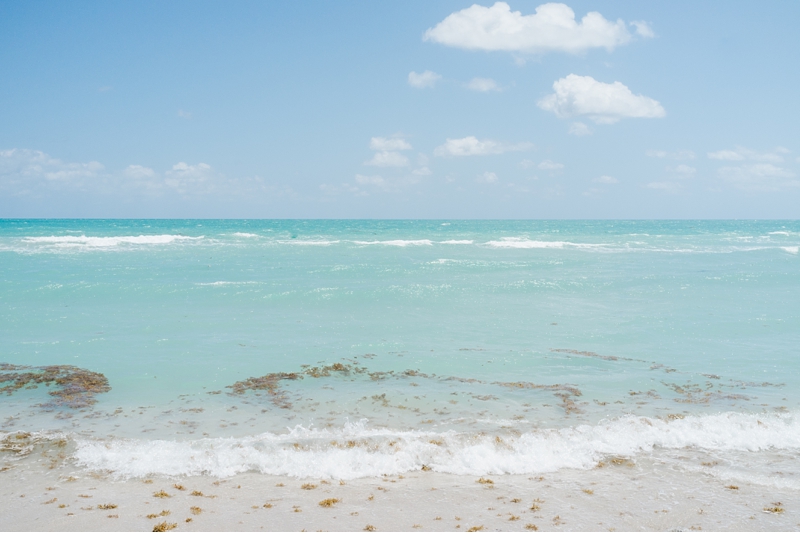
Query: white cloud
{"points": [[579, 129], [487, 178], [527, 164], [25, 170], [643, 29], [677, 155], [421, 80], [422, 171], [138, 172], [374, 180], [472, 146], [602, 103], [185, 178], [605, 179], [666, 187], [483, 85], [184, 114], [382, 143], [387, 159], [741, 153], [552, 28], [725, 155], [550, 165], [684, 171], [759, 177]]}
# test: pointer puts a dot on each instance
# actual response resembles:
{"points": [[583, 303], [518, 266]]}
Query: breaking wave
{"points": [[357, 450]]}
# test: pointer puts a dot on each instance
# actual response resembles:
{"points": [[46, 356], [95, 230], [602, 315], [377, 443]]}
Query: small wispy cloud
{"points": [[472, 146], [487, 178], [579, 129], [605, 179], [550, 165], [423, 79], [483, 85]]}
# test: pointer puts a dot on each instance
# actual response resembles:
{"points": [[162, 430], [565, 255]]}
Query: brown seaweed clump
{"points": [[270, 383], [76, 388]]}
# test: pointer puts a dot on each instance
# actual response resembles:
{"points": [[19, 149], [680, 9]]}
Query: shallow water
{"points": [[466, 347]]}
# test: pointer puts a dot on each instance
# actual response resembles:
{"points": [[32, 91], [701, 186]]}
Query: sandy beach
{"points": [[619, 495]]}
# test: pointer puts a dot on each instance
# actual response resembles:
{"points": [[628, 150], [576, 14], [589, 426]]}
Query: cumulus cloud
{"points": [[424, 79], [185, 178], [666, 187], [677, 155], [682, 170], [602, 103], [483, 85], [422, 171], [387, 154], [742, 153], [487, 178], [605, 179], [643, 29], [395, 143], [472, 146], [551, 28], [549, 165], [579, 129], [138, 172], [25, 170], [32, 172], [387, 159], [374, 180], [763, 177]]}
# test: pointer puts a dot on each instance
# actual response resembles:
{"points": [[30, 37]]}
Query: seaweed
{"points": [[76, 388]]}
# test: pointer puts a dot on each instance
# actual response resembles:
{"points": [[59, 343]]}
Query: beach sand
{"points": [[619, 495]]}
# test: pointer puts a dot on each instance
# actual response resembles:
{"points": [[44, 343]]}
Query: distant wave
{"points": [[108, 241], [457, 242], [226, 283], [524, 243], [244, 235], [308, 242], [359, 451], [396, 243]]}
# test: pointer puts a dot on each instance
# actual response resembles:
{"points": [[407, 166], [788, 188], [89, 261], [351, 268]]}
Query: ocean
{"points": [[353, 349]]}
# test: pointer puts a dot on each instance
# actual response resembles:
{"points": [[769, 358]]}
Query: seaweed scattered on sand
{"points": [[164, 526], [76, 388]]}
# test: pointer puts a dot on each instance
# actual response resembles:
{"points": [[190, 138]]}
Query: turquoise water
{"points": [[519, 330]]}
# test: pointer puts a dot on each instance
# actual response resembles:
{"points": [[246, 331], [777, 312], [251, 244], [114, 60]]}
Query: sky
{"points": [[430, 109]]}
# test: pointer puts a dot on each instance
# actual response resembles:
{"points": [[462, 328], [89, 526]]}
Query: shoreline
{"points": [[638, 494]]}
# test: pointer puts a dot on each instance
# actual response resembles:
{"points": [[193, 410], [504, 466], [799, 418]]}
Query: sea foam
{"points": [[108, 241], [356, 450], [524, 243], [396, 243]]}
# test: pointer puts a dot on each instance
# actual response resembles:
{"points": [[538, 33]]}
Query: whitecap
{"points": [[309, 242], [524, 243], [326, 454], [108, 241], [396, 243]]}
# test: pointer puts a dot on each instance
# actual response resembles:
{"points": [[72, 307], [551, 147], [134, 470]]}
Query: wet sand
{"points": [[625, 495]]}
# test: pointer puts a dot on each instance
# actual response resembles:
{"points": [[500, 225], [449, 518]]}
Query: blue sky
{"points": [[400, 109]]}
